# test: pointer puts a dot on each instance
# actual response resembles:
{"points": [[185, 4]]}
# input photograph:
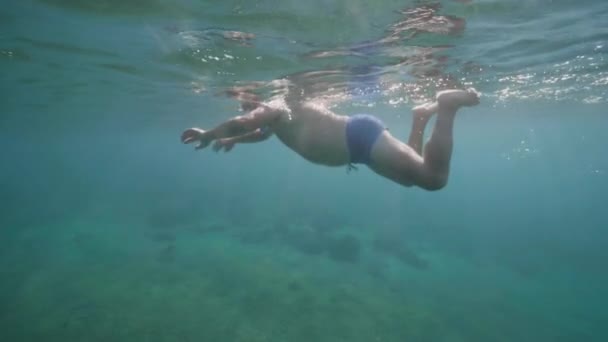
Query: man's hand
{"points": [[227, 144], [195, 134]]}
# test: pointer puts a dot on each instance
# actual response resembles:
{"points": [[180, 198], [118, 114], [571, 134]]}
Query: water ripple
{"points": [[385, 52]]}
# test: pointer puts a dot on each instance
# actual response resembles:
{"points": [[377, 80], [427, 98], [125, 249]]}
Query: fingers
{"points": [[217, 146], [188, 140], [225, 144], [188, 136], [201, 145], [191, 135], [185, 138], [196, 135]]}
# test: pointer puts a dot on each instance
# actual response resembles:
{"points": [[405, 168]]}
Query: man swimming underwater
{"points": [[323, 137]]}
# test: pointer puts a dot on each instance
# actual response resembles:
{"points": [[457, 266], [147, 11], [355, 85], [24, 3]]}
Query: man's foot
{"points": [[196, 134], [424, 112], [456, 98]]}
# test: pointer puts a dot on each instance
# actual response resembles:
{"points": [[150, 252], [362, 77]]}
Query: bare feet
{"points": [[455, 98], [196, 134]]}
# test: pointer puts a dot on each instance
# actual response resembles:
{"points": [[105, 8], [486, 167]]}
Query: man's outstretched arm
{"points": [[258, 135]]}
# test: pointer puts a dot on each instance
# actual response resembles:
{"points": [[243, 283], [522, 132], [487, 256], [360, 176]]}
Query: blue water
{"points": [[114, 231]]}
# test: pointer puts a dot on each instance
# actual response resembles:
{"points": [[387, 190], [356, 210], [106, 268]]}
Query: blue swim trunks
{"points": [[362, 131]]}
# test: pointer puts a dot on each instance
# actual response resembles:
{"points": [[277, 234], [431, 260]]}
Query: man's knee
{"points": [[434, 182]]}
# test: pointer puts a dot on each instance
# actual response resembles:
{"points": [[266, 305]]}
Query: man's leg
{"points": [[421, 116], [401, 163], [438, 150]]}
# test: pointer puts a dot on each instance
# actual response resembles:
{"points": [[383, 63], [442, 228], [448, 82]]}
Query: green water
{"points": [[111, 230]]}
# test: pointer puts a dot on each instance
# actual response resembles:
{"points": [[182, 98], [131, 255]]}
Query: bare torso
{"points": [[314, 132]]}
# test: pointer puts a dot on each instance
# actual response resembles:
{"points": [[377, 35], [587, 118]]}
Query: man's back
{"points": [[314, 132]]}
